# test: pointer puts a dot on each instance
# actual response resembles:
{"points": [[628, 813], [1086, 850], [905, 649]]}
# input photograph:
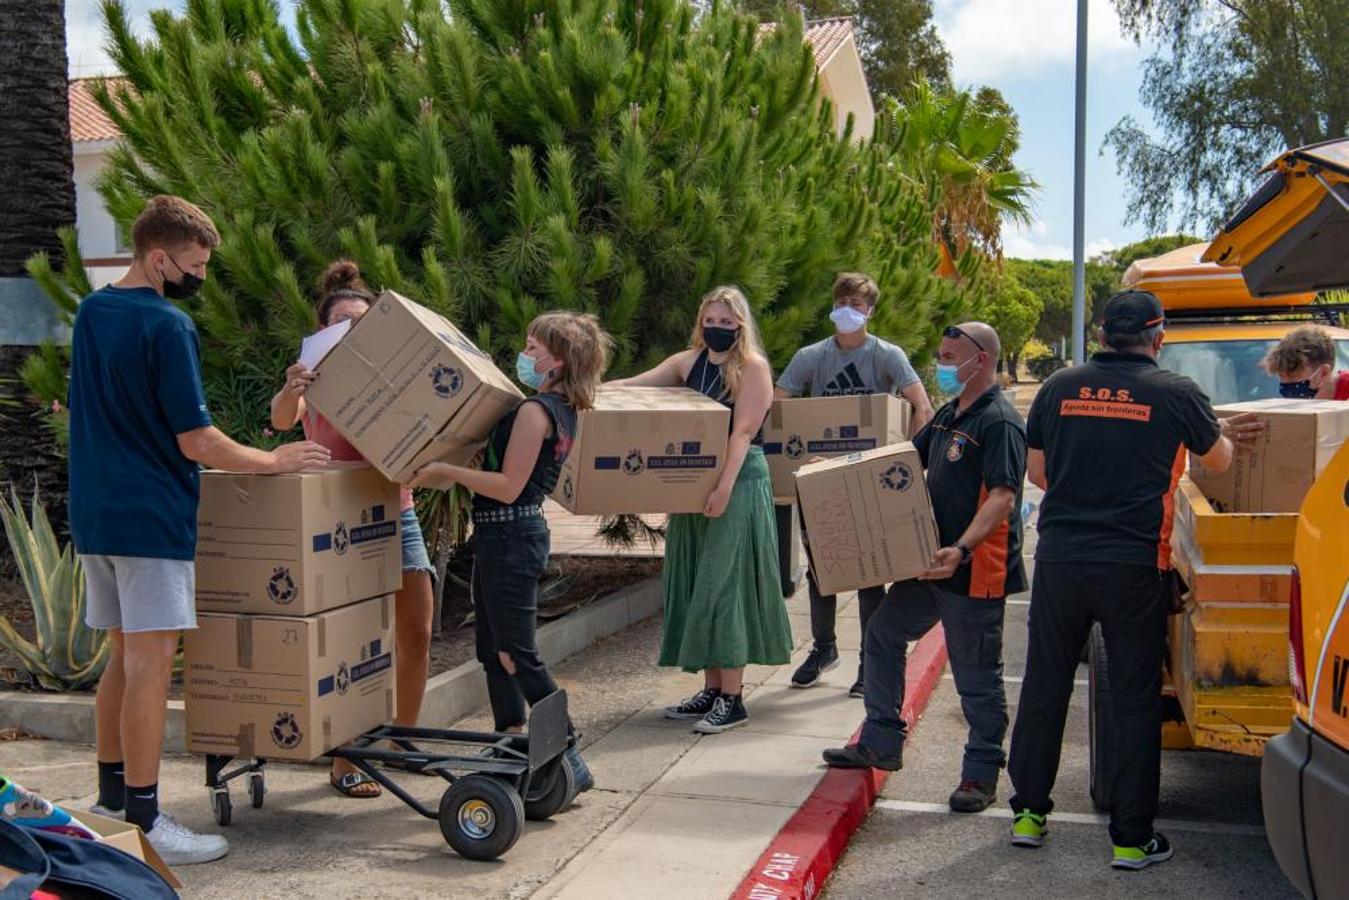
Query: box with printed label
{"points": [[406, 387], [800, 429], [644, 450], [1299, 439], [295, 545], [868, 518], [287, 688]]}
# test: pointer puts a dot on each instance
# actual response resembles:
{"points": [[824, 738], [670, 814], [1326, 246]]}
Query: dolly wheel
{"points": [[220, 803], [257, 789], [481, 817], [551, 790]]}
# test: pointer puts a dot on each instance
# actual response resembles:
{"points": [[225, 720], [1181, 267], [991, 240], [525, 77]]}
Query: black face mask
{"points": [[1297, 390], [185, 287], [719, 340]]}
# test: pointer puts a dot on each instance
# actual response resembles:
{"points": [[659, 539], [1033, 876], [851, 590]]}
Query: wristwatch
{"points": [[966, 554]]}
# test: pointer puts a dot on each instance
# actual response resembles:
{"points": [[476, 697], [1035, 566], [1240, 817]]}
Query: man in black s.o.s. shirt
{"points": [[1108, 441]]}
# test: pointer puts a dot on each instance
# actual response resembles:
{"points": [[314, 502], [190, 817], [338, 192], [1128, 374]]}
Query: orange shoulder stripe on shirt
{"points": [[1169, 511], [988, 568]]}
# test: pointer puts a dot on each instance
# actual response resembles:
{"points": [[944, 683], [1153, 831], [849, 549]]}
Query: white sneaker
{"points": [[179, 845], [100, 810]]}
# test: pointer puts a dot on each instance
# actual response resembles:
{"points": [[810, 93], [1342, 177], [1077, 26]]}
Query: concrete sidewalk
{"points": [[675, 813]]}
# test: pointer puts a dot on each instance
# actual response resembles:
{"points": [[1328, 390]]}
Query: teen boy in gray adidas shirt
{"points": [[852, 361]]}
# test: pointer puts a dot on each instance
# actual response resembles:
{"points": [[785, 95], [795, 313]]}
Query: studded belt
{"points": [[506, 514]]}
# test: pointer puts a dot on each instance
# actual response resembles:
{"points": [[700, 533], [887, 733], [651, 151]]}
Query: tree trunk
{"points": [[37, 173], [36, 166]]}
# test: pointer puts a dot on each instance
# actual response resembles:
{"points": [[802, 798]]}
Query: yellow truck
{"points": [[1226, 680], [1290, 236]]}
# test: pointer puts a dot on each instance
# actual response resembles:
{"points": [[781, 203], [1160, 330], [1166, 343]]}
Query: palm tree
{"points": [[958, 147], [36, 173]]}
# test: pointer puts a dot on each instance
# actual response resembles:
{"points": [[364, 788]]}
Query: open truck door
{"points": [[1290, 235]]}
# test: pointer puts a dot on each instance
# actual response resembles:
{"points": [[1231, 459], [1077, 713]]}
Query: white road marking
{"points": [[1017, 602], [912, 806], [1017, 679]]}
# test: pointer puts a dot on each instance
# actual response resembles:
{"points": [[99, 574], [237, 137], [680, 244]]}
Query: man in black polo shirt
{"points": [[1108, 443], [974, 451]]}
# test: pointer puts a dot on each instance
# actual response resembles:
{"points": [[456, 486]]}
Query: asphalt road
{"points": [[912, 845]]}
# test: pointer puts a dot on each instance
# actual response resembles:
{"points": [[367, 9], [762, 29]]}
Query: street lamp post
{"points": [[1079, 190]]}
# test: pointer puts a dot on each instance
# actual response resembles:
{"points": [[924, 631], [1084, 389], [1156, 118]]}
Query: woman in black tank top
{"points": [[723, 600], [564, 358]]}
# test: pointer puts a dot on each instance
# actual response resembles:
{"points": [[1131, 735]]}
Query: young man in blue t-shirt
{"points": [[139, 431], [851, 361]]}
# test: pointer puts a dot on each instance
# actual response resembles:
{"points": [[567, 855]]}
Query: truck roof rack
{"points": [[1325, 313]]}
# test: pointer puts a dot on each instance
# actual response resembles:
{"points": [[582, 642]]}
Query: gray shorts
{"points": [[138, 594]]}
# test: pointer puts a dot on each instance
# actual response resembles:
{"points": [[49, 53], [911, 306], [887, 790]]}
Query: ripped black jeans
{"points": [[508, 560]]}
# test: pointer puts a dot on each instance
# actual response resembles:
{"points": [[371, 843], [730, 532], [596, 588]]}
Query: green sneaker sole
{"points": [[1133, 863]]}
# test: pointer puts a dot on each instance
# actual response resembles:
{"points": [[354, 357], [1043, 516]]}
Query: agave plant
{"points": [[67, 654]]}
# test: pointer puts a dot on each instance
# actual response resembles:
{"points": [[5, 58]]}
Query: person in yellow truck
{"points": [[1304, 363], [1108, 442]]}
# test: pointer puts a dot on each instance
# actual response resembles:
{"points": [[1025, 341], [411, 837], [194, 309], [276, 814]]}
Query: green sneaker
{"points": [[1154, 851], [1029, 829]]}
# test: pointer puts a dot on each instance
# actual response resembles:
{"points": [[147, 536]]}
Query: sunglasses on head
{"points": [[954, 332]]}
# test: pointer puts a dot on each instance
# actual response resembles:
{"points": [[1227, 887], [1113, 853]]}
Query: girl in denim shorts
{"points": [[564, 357], [344, 296]]}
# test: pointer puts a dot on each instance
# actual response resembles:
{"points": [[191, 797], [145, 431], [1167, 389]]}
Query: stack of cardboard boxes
{"points": [[1232, 543], [293, 653]]}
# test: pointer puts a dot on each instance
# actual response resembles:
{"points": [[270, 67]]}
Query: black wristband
{"points": [[966, 554]]}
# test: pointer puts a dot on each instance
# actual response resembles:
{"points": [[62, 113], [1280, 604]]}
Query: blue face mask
{"points": [[1298, 390], [529, 376], [948, 377]]}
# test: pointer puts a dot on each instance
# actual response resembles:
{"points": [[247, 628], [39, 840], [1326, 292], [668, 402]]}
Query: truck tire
{"points": [[1101, 737]]}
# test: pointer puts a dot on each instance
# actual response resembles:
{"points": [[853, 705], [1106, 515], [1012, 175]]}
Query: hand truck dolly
{"points": [[490, 792]]}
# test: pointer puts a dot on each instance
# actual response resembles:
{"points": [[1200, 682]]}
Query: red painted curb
{"points": [[805, 851]]}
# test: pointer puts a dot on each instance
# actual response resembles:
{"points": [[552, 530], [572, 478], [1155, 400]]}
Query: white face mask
{"points": [[847, 320]]}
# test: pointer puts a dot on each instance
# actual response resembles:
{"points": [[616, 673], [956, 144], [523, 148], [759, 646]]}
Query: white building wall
{"points": [[844, 82], [105, 259]]}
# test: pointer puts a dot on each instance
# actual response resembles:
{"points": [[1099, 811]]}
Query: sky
{"points": [[1024, 48], [1027, 50]]}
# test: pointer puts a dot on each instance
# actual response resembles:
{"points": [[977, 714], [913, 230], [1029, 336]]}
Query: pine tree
{"points": [[502, 158]]}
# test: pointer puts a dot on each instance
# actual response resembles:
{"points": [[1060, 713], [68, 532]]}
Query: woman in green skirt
{"points": [[723, 596]]}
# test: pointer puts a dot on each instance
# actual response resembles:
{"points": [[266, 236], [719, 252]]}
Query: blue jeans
{"points": [[973, 628], [415, 557]]}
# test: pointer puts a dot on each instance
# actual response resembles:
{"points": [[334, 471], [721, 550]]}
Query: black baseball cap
{"points": [[1132, 312]]}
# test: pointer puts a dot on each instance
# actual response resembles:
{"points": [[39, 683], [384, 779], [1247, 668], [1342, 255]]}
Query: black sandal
{"points": [[348, 785]]}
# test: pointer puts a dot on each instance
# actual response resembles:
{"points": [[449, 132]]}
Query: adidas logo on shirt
{"points": [[846, 382]]}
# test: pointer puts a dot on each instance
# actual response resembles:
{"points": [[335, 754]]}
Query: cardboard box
{"points": [[868, 518], [1299, 440], [799, 429], [296, 545], [287, 688], [406, 387], [645, 450], [129, 839]]}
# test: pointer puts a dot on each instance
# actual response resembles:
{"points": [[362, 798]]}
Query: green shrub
{"points": [[67, 654]]}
